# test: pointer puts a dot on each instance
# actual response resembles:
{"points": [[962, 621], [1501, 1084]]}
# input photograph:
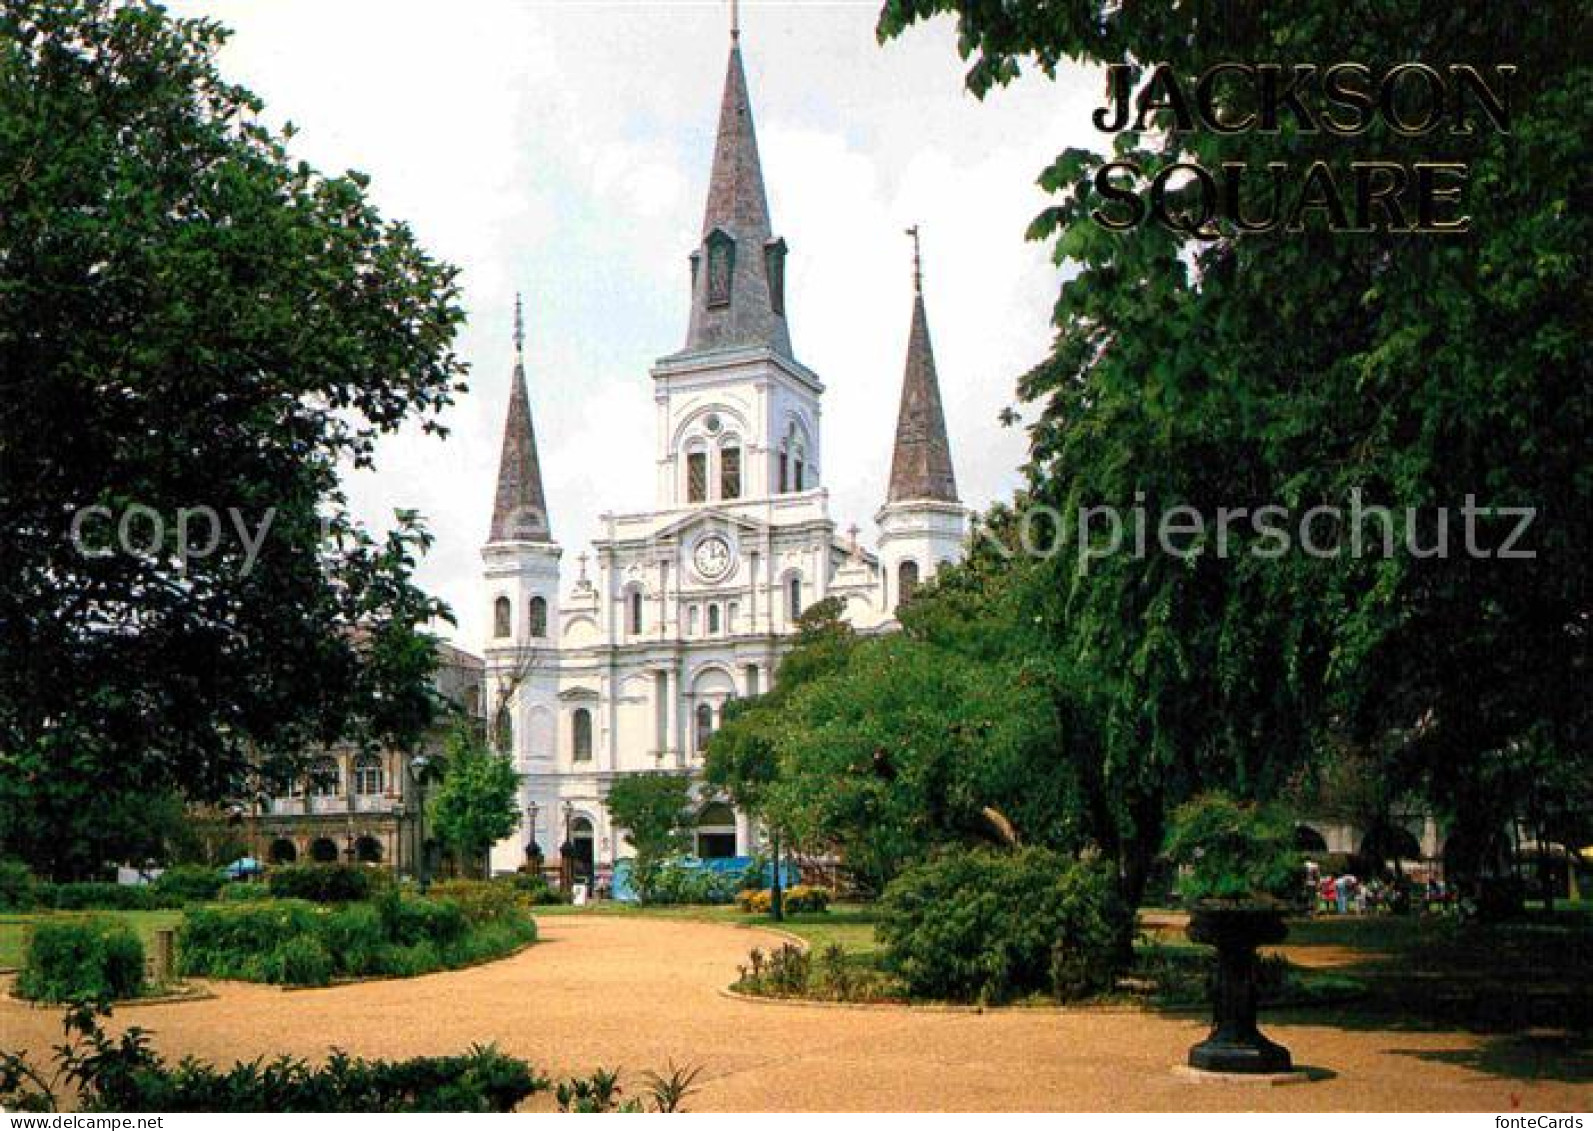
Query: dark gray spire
{"points": [[520, 510], [921, 463], [738, 271]]}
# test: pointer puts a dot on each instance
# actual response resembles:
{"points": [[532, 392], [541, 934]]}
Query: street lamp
{"points": [[417, 768], [533, 851]]}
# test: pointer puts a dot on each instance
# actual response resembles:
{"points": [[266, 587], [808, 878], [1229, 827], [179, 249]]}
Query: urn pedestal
{"points": [[1236, 930]]}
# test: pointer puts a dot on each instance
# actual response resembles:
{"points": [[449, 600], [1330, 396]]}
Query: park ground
{"points": [[638, 991]]}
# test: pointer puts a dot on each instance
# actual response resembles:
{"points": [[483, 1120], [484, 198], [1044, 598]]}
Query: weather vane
{"points": [[735, 19], [918, 263]]}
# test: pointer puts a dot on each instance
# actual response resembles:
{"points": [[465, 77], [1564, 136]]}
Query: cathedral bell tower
{"points": [[923, 523], [521, 575]]}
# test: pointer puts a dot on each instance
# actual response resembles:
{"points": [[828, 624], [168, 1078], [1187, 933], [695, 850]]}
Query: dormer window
{"points": [[721, 266], [774, 269]]}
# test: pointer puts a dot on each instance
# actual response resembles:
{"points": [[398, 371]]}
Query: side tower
{"points": [[923, 523], [521, 574]]}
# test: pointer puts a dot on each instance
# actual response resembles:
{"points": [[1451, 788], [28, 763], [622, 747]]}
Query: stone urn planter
{"points": [[1236, 928]]}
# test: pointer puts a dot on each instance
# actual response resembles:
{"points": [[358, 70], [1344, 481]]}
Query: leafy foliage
{"points": [[191, 318], [188, 883], [127, 1074], [476, 804], [319, 883], [82, 959], [652, 808], [1312, 369], [1232, 850], [986, 925]]}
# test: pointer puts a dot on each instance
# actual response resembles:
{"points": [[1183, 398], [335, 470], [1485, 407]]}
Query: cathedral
{"points": [[626, 666]]}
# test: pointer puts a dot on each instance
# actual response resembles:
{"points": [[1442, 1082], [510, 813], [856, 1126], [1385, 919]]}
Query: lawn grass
{"points": [[849, 925], [14, 928]]}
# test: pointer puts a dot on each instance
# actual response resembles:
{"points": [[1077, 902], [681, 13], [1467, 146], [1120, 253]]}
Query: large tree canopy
{"points": [[1310, 368], [189, 318]]}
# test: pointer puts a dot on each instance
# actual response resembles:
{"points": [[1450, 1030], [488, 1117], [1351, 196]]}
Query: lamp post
{"points": [[418, 766], [533, 851], [567, 851]]}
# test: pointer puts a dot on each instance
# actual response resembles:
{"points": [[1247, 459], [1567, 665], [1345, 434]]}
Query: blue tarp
{"points": [[731, 866], [247, 866]]}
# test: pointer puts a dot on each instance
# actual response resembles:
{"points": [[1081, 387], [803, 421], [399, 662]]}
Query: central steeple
{"points": [[738, 270]]}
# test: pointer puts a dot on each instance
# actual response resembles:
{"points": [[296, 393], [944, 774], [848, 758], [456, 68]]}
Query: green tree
{"points": [[653, 809], [475, 806], [1305, 369], [191, 318]]}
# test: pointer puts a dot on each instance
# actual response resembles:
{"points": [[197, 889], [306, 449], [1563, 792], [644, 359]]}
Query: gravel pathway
{"points": [[635, 993]]}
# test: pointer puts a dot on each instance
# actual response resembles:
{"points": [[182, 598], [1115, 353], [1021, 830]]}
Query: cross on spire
{"points": [[918, 262]]}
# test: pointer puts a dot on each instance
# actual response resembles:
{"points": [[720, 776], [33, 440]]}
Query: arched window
{"points": [[716, 832], [368, 776], [705, 726], [326, 779], [501, 617], [713, 620], [696, 476], [323, 850], [730, 472], [537, 619], [368, 850], [798, 466], [906, 580], [581, 735], [634, 611], [793, 598], [785, 470], [282, 851]]}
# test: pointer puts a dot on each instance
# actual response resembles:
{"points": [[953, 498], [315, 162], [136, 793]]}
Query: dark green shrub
{"points": [[986, 925], [189, 883], [244, 893], [82, 959], [353, 936], [1232, 850], [535, 889], [407, 921], [235, 940], [18, 889], [320, 883], [100, 896], [302, 960], [127, 1074], [674, 882]]}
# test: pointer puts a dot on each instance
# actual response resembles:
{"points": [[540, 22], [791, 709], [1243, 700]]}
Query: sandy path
{"points": [[634, 992]]}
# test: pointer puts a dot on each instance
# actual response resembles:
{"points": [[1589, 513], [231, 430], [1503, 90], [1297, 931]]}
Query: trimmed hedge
{"points": [[983, 925], [295, 942], [82, 959], [190, 883], [320, 883]]}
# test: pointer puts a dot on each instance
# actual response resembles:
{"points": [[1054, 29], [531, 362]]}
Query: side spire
{"points": [[520, 509], [738, 270], [921, 462]]}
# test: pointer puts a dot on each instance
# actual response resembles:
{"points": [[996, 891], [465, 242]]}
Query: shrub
{"points": [[320, 883], [535, 889], [1232, 850], [244, 893], [300, 961], [100, 896], [189, 883], [18, 889], [236, 941], [82, 959], [798, 899], [675, 881], [482, 901], [991, 926], [127, 1074], [353, 936]]}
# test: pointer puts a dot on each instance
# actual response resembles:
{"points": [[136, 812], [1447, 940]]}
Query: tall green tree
{"points": [[654, 810], [191, 318], [476, 805], [1303, 369]]}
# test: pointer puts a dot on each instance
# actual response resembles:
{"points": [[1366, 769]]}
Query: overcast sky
{"points": [[562, 149]]}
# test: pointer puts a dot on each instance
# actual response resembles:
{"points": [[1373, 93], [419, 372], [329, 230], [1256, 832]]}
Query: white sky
{"points": [[562, 149]]}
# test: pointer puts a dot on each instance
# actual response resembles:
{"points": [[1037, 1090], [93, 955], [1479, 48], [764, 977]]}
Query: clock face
{"points": [[712, 558]]}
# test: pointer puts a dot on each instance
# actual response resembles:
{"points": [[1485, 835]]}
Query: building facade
{"points": [[679, 609]]}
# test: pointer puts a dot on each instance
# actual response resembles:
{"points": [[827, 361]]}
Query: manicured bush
{"points": [[481, 901], [189, 883], [986, 925], [320, 883], [798, 899], [18, 889], [535, 889], [101, 896], [238, 940], [82, 959], [300, 961]]}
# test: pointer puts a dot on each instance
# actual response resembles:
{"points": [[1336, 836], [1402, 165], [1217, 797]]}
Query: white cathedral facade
{"points": [[626, 666]]}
